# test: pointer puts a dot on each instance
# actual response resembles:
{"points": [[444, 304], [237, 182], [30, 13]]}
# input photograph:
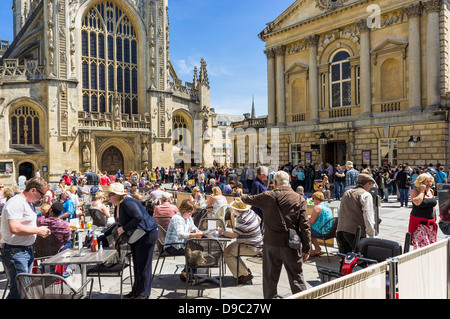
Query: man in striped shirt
{"points": [[247, 231]]}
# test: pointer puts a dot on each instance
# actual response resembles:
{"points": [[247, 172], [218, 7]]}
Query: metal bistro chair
{"points": [[98, 218], [161, 252], [3, 272], [113, 270], [203, 253], [239, 255], [44, 248], [331, 234], [49, 286]]}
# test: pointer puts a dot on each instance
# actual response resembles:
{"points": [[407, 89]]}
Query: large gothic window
{"points": [[341, 80], [109, 60], [24, 126]]}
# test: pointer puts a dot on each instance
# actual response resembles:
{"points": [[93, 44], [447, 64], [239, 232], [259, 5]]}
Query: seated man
{"points": [[246, 231], [58, 227], [68, 211], [166, 209]]}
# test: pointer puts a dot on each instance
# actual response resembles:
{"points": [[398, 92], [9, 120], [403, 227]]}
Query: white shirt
{"points": [[18, 208], [368, 213]]}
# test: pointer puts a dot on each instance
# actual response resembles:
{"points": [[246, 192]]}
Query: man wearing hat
{"points": [[351, 176], [247, 231], [164, 212], [356, 210]]}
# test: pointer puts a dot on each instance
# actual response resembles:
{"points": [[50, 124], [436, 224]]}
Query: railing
{"points": [[106, 120], [405, 281], [299, 117], [13, 71], [339, 112]]}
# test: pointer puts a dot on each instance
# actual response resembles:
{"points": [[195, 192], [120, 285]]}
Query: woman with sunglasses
{"points": [[134, 220]]}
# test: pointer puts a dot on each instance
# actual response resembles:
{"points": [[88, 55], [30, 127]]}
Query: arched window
{"points": [[24, 123], [179, 123], [340, 80], [109, 60]]}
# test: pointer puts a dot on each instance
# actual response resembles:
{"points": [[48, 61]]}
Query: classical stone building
{"points": [[89, 84], [369, 77]]}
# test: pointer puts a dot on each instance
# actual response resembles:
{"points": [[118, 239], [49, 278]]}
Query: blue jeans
{"points": [[338, 188], [404, 194], [16, 260]]}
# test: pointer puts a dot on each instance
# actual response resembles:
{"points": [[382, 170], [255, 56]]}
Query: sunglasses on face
{"points": [[42, 194]]}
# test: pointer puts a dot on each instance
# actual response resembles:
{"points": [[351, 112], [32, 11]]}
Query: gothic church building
{"points": [[89, 84]]}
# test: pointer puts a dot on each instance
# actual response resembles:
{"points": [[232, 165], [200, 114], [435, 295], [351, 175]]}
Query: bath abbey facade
{"points": [[89, 84]]}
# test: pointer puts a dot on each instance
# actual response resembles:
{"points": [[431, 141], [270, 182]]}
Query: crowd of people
{"points": [[258, 193]]}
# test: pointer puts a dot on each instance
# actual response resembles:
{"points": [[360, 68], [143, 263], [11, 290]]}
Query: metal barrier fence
{"points": [[419, 274]]}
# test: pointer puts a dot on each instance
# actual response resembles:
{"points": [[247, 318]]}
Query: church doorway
{"points": [[112, 161], [26, 169]]}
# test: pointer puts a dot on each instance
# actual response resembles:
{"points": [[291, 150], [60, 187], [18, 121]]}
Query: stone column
{"points": [[414, 11], [312, 42], [432, 8], [280, 52], [271, 93], [365, 68]]}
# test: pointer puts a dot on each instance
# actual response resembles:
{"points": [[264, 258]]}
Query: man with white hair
{"points": [[164, 212], [275, 252], [351, 176]]}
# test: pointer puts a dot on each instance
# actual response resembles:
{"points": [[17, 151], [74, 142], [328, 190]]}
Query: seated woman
{"points": [[98, 204], [181, 228], [320, 215], [216, 200], [237, 190], [196, 197]]}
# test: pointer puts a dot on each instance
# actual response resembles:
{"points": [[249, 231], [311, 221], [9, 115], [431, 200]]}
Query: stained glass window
{"points": [[109, 59]]}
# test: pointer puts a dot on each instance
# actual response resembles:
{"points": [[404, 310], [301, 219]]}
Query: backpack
{"points": [[408, 181]]}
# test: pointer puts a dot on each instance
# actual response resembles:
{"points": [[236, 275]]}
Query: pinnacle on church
{"points": [[253, 108], [203, 78]]}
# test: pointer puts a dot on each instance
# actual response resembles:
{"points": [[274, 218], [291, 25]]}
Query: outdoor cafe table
{"points": [[88, 257]]}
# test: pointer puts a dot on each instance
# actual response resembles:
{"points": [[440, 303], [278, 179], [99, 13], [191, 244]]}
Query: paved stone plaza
{"points": [[167, 285]]}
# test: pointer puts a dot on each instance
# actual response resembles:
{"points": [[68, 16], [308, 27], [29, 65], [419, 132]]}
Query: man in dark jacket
{"points": [[259, 187], [275, 252], [404, 182]]}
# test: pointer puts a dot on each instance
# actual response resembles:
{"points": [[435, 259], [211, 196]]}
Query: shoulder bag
{"points": [[293, 240]]}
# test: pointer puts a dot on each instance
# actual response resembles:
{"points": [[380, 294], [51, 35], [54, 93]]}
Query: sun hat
{"points": [[364, 179], [117, 189], [239, 205], [349, 163]]}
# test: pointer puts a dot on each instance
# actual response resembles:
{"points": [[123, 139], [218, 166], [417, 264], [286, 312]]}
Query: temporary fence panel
{"points": [[368, 283], [422, 273]]}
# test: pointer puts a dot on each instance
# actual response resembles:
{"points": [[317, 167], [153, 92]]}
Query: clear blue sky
{"points": [[225, 34]]}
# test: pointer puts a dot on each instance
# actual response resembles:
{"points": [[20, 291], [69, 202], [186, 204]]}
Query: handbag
{"points": [[293, 240]]}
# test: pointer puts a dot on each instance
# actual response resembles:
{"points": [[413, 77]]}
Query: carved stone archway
{"points": [[112, 160]]}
